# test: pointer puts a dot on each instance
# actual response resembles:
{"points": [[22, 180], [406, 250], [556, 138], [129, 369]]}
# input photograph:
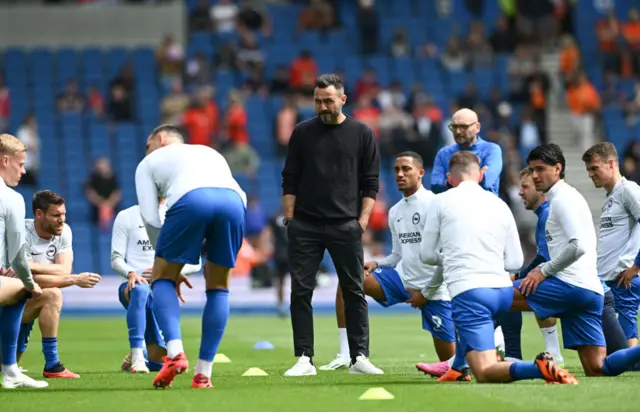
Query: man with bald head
{"points": [[465, 128]]}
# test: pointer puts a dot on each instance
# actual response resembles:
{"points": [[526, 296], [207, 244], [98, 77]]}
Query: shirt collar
{"points": [[473, 146], [544, 206], [2, 183], [617, 186], [469, 184], [553, 191], [414, 197]]}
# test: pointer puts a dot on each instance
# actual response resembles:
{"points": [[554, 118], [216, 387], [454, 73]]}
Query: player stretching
{"points": [[568, 286], [50, 254], [619, 238], [204, 202], [476, 255], [387, 285], [13, 292], [132, 257]]}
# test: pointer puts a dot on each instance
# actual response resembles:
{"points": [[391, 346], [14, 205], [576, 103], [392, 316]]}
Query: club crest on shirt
{"points": [[416, 218], [51, 251], [607, 206], [547, 236]]}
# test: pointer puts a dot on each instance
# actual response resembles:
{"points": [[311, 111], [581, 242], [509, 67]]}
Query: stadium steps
{"points": [[560, 132]]}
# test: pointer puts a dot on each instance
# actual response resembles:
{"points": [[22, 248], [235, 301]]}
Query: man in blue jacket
{"points": [[465, 128]]}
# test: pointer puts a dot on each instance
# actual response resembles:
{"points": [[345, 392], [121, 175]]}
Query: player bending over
{"points": [[13, 292], [132, 257], [50, 254], [388, 286], [473, 235], [568, 286], [619, 237], [204, 203]]}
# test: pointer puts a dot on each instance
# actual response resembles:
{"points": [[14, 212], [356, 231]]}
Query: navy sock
{"points": [[459, 362], [621, 361], [167, 308], [524, 370], [511, 323], [137, 314], [23, 336], [10, 317], [214, 322], [50, 352], [154, 366]]}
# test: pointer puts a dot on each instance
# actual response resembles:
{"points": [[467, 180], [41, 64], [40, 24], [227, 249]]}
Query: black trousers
{"points": [[307, 244], [613, 333]]}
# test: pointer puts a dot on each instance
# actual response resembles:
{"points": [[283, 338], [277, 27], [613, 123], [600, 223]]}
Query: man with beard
{"points": [[330, 182], [465, 128]]}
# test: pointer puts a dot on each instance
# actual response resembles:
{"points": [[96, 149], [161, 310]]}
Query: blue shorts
{"points": [[212, 214], [627, 302], [474, 314], [152, 334], [436, 314], [579, 309]]}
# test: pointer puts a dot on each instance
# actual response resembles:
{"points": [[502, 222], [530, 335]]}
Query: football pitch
{"points": [[94, 348]]}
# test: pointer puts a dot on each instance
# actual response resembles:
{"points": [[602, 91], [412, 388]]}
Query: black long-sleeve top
{"points": [[330, 168]]}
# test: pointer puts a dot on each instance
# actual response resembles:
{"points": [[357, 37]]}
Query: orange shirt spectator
{"points": [[608, 31], [303, 70], [198, 126], [569, 58], [583, 98], [537, 98], [236, 121], [211, 111], [368, 114], [631, 30]]}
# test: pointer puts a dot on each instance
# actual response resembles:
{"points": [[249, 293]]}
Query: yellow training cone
{"points": [[374, 394], [221, 358], [255, 372]]}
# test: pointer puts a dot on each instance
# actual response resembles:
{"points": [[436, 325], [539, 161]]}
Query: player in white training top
{"points": [[619, 238], [50, 255], [132, 258], [204, 203], [13, 292], [388, 279]]}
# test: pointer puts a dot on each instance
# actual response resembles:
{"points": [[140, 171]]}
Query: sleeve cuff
{"points": [[372, 194]]}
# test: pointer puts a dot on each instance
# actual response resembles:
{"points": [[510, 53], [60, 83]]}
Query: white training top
{"points": [[44, 251], [173, 171], [131, 250], [619, 230], [406, 222], [12, 233], [570, 218], [478, 238]]}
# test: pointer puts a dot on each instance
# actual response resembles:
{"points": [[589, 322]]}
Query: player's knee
{"points": [[480, 375], [140, 293], [53, 297]]}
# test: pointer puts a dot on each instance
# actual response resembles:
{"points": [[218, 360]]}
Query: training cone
{"points": [[221, 358], [263, 345], [255, 372], [375, 394]]}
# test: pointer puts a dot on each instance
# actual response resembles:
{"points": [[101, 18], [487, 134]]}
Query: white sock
{"points": [[137, 354], [450, 361], [174, 347], [204, 367], [11, 370], [551, 343], [344, 343], [498, 337]]}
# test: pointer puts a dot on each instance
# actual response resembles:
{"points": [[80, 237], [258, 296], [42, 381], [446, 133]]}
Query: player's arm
{"points": [[537, 261], [631, 202], [439, 181], [493, 163], [396, 251], [369, 177], [16, 244], [574, 250], [429, 249], [56, 281], [434, 284], [63, 261], [148, 201], [291, 174], [119, 237], [513, 257]]}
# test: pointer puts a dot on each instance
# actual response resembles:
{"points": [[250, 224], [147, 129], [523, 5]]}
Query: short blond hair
{"points": [[463, 160], [11, 145], [526, 172]]}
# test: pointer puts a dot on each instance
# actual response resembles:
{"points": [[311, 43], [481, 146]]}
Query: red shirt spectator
{"points": [[367, 114], [303, 70], [198, 126], [236, 121]]}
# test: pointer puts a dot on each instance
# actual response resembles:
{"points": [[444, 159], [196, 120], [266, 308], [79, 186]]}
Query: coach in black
{"points": [[330, 182]]}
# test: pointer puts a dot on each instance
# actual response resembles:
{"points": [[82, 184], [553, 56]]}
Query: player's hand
{"points": [[531, 282], [627, 276], [363, 224], [512, 277], [8, 273], [87, 280], [134, 279], [182, 279], [36, 291], [417, 299], [369, 266], [147, 274]]}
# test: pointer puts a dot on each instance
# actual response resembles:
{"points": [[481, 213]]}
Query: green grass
{"points": [[94, 348]]}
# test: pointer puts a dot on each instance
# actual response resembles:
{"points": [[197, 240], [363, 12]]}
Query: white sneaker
{"points": [[363, 366], [139, 366], [302, 368], [338, 363], [21, 381]]}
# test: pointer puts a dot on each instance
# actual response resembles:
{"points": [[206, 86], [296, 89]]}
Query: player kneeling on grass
{"points": [[50, 255], [132, 257], [388, 286]]}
